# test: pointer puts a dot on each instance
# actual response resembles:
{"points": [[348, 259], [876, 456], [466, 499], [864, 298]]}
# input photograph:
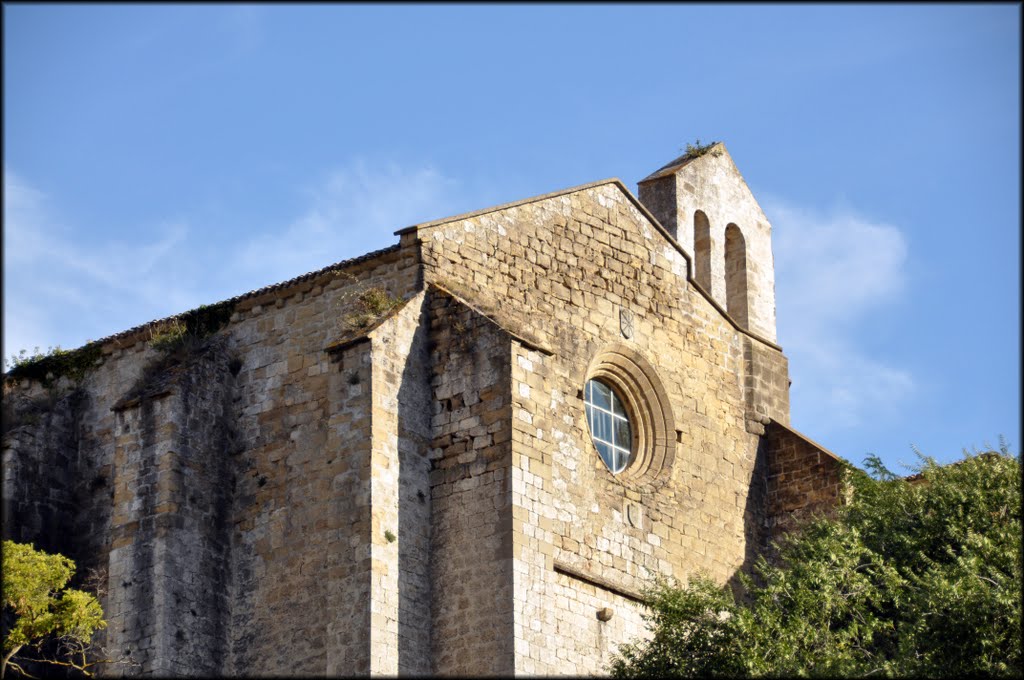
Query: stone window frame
{"points": [[636, 381]]}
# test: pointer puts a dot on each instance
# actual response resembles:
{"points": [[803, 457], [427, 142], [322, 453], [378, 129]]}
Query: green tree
{"points": [[39, 608], [912, 577]]}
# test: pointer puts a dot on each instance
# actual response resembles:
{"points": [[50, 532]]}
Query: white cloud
{"points": [[833, 273], [356, 209], [63, 289], [58, 291], [834, 269]]}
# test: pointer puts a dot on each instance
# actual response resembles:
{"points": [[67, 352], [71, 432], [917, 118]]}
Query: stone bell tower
{"points": [[703, 201]]}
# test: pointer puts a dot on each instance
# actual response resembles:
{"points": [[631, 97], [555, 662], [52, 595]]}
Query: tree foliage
{"points": [[40, 608], [912, 577]]}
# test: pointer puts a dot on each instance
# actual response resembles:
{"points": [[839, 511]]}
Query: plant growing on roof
{"points": [[372, 305], [167, 336], [48, 366], [697, 149]]}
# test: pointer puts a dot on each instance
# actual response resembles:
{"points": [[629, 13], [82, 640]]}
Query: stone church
{"points": [[466, 453]]}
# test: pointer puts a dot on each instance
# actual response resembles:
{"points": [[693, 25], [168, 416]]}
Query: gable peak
{"points": [[693, 152]]}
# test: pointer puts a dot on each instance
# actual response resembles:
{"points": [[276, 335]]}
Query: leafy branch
{"points": [[46, 614]]}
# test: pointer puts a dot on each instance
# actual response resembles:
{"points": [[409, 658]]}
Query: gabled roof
{"points": [[523, 336], [716, 149], [543, 197]]}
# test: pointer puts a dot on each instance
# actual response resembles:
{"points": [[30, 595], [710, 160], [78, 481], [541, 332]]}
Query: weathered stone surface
{"points": [[168, 564], [712, 185], [417, 492]]}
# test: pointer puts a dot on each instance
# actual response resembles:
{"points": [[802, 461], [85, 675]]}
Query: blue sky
{"points": [[159, 157]]}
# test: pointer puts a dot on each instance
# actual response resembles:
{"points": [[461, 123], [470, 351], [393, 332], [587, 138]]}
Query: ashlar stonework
{"points": [[315, 488]]}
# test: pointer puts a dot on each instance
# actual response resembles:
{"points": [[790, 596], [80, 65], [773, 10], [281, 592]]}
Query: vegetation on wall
{"points": [[913, 577], [182, 332], [47, 367], [169, 336], [372, 305], [191, 327], [20, 409], [697, 149]]}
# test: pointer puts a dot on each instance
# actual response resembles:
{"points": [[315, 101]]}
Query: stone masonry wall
{"points": [[713, 184], [169, 561], [565, 269], [39, 490], [471, 540], [400, 588], [766, 387], [294, 523], [301, 519], [560, 523], [659, 196], [802, 479], [61, 456], [308, 495], [342, 561]]}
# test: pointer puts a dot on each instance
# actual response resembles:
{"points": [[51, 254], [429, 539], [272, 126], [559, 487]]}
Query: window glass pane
{"points": [[623, 434], [621, 458], [617, 408], [601, 395], [610, 428], [601, 428], [606, 454]]}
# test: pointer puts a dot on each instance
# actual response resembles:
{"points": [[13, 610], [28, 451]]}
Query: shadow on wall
{"points": [[414, 506], [42, 487], [756, 520], [794, 480]]}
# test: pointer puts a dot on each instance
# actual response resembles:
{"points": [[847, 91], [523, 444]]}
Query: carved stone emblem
{"points": [[626, 322], [633, 514]]}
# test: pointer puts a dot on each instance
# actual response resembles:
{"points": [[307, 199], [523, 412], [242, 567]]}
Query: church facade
{"points": [[466, 453]]}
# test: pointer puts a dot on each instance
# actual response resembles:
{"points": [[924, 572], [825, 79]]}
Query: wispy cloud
{"points": [[833, 273], [354, 210], [60, 291], [63, 289]]}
